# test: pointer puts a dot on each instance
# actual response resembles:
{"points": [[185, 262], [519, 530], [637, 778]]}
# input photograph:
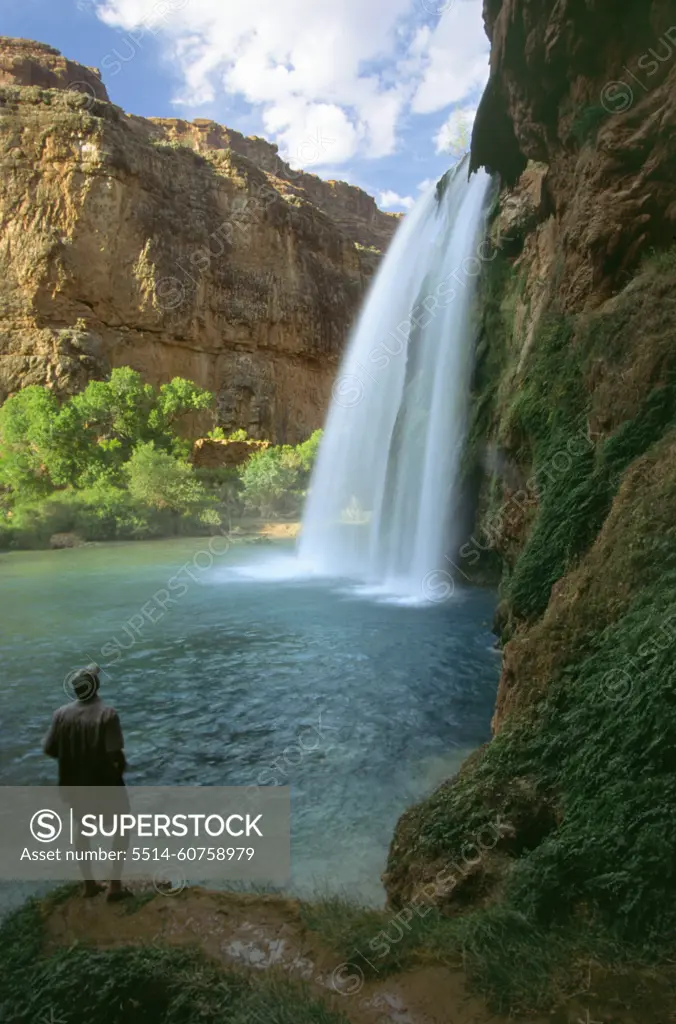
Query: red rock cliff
{"points": [[175, 248]]}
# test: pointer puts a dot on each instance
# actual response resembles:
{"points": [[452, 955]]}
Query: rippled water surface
{"points": [[361, 706]]}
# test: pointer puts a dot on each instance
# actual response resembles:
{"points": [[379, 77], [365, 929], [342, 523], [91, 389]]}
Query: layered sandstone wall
{"points": [[352, 209], [164, 246], [24, 62]]}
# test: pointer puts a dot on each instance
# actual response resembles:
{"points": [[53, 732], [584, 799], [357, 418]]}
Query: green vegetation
{"points": [[509, 959], [548, 418], [577, 500], [582, 767], [587, 780], [274, 480], [45, 444], [496, 288], [549, 404], [543, 418], [136, 985], [218, 434], [105, 463], [110, 463]]}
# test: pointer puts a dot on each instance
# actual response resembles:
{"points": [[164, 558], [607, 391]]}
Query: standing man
{"points": [[86, 738]]}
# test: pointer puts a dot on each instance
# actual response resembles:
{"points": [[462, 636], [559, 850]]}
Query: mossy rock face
{"points": [[566, 415], [581, 773]]}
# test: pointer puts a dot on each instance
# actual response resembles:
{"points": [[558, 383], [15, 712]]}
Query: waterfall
{"points": [[383, 498]]}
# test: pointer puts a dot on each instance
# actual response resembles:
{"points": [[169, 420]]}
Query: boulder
{"points": [[65, 540]]}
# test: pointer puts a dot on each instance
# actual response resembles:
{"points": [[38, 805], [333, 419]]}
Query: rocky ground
{"points": [[268, 935]]}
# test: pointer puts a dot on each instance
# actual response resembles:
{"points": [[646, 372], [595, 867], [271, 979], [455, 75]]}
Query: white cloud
{"points": [[311, 133], [456, 59], [455, 134], [388, 200], [329, 80]]}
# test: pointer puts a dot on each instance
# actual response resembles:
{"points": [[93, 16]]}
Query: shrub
{"points": [[307, 451], [162, 481], [270, 481], [217, 434], [274, 479], [102, 512]]}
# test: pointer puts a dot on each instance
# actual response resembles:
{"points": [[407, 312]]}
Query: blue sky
{"points": [[380, 93]]}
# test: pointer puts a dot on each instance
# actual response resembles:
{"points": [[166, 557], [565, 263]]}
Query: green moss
{"points": [[549, 404], [605, 751], [496, 285], [577, 499], [546, 423]]}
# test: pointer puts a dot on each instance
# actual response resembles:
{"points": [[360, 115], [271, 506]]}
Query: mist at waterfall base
{"points": [[382, 501], [383, 505]]}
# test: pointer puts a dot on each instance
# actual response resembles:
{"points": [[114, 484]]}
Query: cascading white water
{"points": [[382, 500]]}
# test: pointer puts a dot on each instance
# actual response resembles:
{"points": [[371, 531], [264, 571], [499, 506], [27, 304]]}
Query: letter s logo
{"points": [[46, 826]]}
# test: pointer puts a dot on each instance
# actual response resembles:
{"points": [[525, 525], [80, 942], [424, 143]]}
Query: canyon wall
{"points": [[568, 812], [175, 248]]}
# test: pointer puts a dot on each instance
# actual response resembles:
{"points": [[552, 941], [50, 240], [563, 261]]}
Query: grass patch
{"points": [[373, 942], [512, 961], [62, 894], [136, 985]]}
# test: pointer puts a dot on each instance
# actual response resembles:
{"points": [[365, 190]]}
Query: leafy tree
{"points": [[93, 434], [75, 454], [26, 439], [307, 451], [125, 410], [269, 480], [274, 479], [175, 399], [163, 481]]}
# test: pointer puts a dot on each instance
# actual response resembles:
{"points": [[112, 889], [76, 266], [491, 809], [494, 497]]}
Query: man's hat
{"points": [[84, 683]]}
